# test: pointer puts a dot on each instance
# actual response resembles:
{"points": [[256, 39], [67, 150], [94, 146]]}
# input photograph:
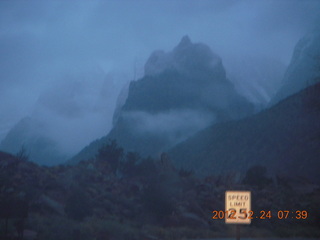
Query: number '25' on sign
{"points": [[237, 207]]}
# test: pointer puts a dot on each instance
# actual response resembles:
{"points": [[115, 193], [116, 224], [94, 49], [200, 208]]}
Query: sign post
{"points": [[237, 208]]}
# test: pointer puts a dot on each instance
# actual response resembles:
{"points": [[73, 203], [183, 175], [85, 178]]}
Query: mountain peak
{"points": [[162, 108], [185, 41], [184, 57]]}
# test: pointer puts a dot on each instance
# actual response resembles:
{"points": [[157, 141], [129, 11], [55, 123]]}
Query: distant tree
{"points": [[21, 210], [158, 201], [112, 154], [185, 173], [257, 176], [147, 168], [6, 212], [12, 207], [130, 164], [22, 154], [78, 205], [311, 98]]}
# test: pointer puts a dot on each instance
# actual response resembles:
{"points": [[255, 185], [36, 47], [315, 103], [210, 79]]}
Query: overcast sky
{"points": [[43, 42]]}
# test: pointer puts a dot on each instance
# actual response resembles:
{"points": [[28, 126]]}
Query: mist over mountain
{"points": [[258, 78], [182, 92], [31, 135], [61, 121], [304, 68]]}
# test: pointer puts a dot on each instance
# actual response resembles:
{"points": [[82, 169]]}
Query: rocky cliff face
{"points": [[304, 69], [189, 77], [183, 91]]}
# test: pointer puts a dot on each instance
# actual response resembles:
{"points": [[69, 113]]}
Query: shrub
{"points": [[112, 154], [256, 176], [129, 166], [158, 201], [22, 154], [78, 205]]}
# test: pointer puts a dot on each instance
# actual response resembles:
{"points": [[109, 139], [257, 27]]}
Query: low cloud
{"points": [[175, 125]]}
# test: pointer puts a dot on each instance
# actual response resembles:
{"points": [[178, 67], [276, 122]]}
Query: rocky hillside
{"points": [[284, 138], [182, 92]]}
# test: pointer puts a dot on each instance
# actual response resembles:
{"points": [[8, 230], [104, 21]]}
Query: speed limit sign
{"points": [[238, 207]]}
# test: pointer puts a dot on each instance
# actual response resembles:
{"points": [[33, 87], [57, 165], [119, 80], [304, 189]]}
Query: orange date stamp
{"points": [[243, 214]]}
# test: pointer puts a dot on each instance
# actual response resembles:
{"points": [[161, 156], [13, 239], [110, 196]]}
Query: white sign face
{"points": [[238, 207]]}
